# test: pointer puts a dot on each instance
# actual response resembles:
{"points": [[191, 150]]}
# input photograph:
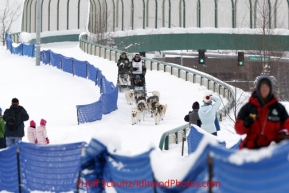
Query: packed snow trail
{"points": [[49, 93]]}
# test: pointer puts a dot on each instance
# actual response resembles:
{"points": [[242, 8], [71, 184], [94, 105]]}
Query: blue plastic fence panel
{"points": [[197, 174], [67, 65], [9, 170], [55, 59], [99, 78], [18, 50], [132, 170], [89, 113], [8, 42], [12, 49], [9, 45], [92, 72], [194, 139], [93, 162], [80, 68], [29, 50], [109, 101], [222, 144], [265, 176], [50, 167], [237, 145], [45, 56], [107, 86]]}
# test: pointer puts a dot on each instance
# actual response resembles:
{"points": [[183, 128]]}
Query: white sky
{"points": [[17, 25]]}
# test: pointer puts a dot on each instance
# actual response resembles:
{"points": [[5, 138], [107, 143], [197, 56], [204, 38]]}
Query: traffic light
{"points": [[240, 58], [201, 56]]}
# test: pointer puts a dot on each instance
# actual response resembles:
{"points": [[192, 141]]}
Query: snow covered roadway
{"points": [[49, 93]]}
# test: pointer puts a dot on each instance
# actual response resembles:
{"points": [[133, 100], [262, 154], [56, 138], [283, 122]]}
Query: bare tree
{"points": [[8, 16], [269, 48], [98, 26], [265, 21]]}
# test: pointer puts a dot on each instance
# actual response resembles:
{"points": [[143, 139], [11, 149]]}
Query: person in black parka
{"points": [[14, 118], [123, 64], [138, 81]]}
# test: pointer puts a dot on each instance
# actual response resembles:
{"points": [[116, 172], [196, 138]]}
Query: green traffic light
{"points": [[201, 60], [241, 63]]}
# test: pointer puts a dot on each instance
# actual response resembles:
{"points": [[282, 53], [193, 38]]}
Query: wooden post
{"points": [[210, 173]]}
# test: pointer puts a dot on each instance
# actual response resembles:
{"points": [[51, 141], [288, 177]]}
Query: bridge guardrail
{"points": [[185, 73]]}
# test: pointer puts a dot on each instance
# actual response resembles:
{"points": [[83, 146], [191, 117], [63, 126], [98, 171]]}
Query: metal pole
{"points": [[38, 29], [181, 59], [183, 145]]}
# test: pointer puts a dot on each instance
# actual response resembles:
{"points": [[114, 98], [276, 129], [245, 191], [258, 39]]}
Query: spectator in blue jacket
{"points": [[207, 113]]}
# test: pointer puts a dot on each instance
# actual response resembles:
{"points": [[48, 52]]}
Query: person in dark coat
{"points": [[14, 118], [123, 63], [194, 116], [263, 118], [138, 81], [2, 131]]}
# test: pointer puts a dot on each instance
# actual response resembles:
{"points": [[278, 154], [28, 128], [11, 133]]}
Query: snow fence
{"points": [[196, 135], [85, 113], [26, 167], [79, 167], [21, 49]]}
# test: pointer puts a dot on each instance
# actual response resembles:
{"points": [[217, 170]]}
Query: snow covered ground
{"points": [[49, 93]]}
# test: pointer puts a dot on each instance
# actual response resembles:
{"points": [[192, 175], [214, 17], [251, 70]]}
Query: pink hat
{"points": [[32, 124], [43, 122]]}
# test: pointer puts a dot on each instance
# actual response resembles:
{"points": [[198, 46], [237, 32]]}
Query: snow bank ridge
{"points": [[85, 113]]}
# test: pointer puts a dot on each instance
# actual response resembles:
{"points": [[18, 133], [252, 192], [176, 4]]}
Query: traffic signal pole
{"points": [[38, 29]]}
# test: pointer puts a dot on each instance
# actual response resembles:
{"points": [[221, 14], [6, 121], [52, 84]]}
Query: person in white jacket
{"points": [[31, 133], [41, 133], [207, 113]]}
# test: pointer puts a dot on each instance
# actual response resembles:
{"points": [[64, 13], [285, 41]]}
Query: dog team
{"points": [[145, 105]]}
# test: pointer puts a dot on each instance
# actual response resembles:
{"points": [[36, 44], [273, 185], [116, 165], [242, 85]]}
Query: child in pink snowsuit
{"points": [[31, 133], [41, 133]]}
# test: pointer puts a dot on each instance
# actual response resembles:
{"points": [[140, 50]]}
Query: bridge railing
{"points": [[15, 37], [188, 74]]}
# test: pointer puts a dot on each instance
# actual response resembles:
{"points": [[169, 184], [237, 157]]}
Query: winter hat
{"points": [[123, 53], [207, 99], [137, 56], [15, 101], [43, 122], [196, 105], [137, 77], [264, 79], [32, 124]]}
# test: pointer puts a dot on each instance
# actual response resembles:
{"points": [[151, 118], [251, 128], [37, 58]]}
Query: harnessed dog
{"points": [[151, 101], [159, 112], [142, 108], [134, 115], [129, 95]]}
